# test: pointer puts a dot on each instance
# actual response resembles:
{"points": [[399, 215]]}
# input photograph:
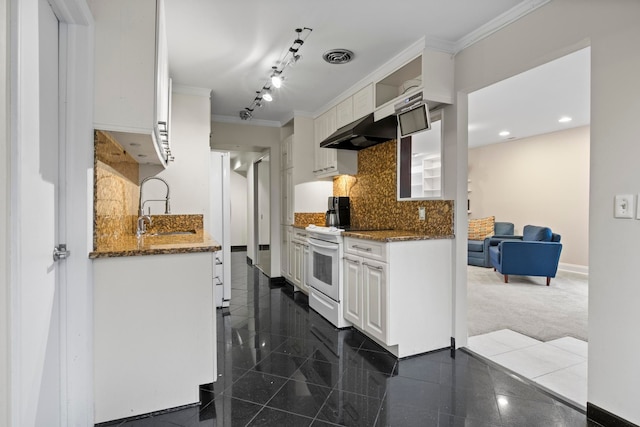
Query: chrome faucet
{"points": [[167, 206], [142, 218], [142, 227]]}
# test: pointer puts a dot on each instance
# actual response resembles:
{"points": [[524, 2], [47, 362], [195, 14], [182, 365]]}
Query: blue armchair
{"points": [[535, 253], [478, 250]]}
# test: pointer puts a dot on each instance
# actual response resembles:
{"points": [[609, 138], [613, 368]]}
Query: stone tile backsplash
{"points": [[115, 189], [373, 197]]}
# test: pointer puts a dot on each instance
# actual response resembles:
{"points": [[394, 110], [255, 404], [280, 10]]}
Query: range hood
{"points": [[363, 133]]}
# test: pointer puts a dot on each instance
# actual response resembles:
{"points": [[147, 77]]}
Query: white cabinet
{"points": [[430, 72], [131, 74], [363, 102], [154, 329], [286, 153], [393, 289], [366, 292], [330, 161], [287, 200], [285, 241], [344, 112], [299, 258], [355, 107]]}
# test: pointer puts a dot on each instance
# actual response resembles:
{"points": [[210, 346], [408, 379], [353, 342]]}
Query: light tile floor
{"points": [[559, 365]]}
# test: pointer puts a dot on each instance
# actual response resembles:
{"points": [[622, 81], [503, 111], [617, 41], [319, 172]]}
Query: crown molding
{"points": [[239, 121], [191, 90], [498, 23]]}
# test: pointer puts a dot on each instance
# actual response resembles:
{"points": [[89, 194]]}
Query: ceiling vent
{"points": [[338, 56]]}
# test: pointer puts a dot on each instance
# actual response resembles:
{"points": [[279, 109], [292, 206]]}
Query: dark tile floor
{"points": [[281, 364]]}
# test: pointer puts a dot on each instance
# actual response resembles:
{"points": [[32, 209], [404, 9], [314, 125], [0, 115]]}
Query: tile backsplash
{"points": [[115, 190], [373, 197]]}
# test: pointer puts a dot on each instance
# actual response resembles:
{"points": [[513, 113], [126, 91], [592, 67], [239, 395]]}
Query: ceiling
{"points": [[531, 103], [230, 47]]}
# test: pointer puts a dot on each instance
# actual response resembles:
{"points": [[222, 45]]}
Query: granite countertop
{"points": [[201, 241], [393, 235]]}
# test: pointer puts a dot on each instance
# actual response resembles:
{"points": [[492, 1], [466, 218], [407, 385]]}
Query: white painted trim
{"points": [[191, 90], [440, 45], [499, 22], [72, 11], [574, 268], [239, 121]]}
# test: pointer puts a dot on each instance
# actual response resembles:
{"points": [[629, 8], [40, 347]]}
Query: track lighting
{"points": [[290, 58]]}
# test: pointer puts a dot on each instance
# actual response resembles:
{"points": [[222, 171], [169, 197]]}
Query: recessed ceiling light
{"points": [[505, 133], [565, 119]]}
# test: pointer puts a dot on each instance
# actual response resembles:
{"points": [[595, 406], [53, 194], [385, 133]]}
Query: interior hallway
{"points": [[280, 364]]}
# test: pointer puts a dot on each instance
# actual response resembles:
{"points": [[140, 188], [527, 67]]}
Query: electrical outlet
{"points": [[623, 206], [422, 214]]}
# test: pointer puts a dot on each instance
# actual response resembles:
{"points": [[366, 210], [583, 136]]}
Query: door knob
{"points": [[61, 252]]}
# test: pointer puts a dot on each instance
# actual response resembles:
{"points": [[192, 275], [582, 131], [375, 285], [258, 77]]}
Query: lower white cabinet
{"points": [[154, 333], [399, 293], [299, 256], [365, 295]]}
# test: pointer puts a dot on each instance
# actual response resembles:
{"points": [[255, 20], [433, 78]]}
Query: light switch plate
{"points": [[624, 206], [421, 214]]}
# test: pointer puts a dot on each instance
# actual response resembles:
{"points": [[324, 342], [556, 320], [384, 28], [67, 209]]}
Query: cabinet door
{"points": [[363, 102], [352, 297], [286, 153], [298, 255], [284, 250], [305, 267], [292, 255], [287, 201], [319, 135], [374, 278], [331, 154], [344, 113]]}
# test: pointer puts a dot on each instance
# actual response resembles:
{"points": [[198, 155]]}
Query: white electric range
{"points": [[324, 273]]}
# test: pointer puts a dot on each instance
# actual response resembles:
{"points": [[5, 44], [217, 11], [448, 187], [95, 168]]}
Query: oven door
{"points": [[323, 272]]}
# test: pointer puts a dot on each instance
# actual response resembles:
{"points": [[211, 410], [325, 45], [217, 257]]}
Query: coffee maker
{"points": [[338, 213]]}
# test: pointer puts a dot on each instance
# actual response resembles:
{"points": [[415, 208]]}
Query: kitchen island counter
{"points": [[125, 246]]}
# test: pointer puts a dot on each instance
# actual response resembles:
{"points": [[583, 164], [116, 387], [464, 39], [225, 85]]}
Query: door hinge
{"points": [[61, 252]]}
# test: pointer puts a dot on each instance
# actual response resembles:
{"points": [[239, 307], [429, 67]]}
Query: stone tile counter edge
{"points": [[393, 235], [158, 245]]}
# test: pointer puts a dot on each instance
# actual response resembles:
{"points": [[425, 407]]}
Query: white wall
{"points": [[256, 138], [238, 209], [188, 175], [542, 180], [5, 156], [312, 196], [612, 30], [250, 207]]}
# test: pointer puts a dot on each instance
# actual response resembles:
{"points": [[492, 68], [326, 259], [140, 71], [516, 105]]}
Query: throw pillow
{"points": [[481, 228]]}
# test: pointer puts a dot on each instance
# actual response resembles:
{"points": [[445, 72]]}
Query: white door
{"points": [[38, 351]]}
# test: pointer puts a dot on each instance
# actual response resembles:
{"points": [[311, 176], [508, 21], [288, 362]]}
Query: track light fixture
{"points": [[289, 58]]}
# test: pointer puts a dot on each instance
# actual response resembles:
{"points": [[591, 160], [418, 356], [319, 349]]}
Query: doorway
{"points": [[261, 213], [528, 150]]}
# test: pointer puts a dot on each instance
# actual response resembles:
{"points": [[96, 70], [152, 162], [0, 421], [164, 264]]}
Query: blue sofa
{"points": [[535, 253], [478, 250]]}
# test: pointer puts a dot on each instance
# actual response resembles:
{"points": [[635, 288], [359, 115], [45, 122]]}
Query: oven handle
{"points": [[332, 247]]}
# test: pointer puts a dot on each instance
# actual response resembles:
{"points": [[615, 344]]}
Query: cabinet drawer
{"points": [[299, 236], [366, 248]]}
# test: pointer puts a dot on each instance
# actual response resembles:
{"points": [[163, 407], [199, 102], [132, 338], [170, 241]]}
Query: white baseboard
{"points": [[574, 268]]}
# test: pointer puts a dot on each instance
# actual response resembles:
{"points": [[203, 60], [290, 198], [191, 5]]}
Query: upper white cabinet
{"points": [[430, 72], [355, 107], [329, 161], [132, 85]]}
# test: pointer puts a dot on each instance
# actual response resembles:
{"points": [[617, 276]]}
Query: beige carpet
{"points": [[526, 305]]}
